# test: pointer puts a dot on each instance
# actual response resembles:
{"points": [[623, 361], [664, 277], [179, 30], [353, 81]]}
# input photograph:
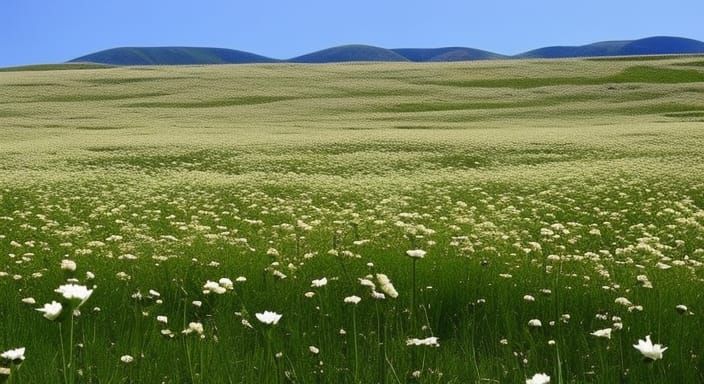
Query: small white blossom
{"points": [[51, 310], [428, 341], [267, 317], [319, 282], [126, 359], [605, 333], [649, 350], [68, 265], [538, 378], [416, 253], [535, 323], [14, 355]]}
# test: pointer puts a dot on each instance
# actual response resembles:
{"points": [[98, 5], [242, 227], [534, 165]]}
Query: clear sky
{"points": [[49, 31]]}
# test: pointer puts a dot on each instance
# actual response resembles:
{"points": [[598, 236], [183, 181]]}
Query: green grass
{"points": [[565, 193], [641, 58], [635, 74], [686, 114], [73, 98], [245, 100], [54, 67], [129, 80], [699, 63]]}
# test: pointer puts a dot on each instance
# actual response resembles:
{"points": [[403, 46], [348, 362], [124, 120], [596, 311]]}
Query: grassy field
{"points": [[565, 191]]}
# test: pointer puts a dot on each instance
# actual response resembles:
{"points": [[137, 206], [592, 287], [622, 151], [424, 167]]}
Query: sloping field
{"points": [[565, 191]]}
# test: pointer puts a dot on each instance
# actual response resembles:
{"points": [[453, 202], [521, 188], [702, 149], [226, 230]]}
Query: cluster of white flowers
{"points": [[428, 342], [219, 287]]}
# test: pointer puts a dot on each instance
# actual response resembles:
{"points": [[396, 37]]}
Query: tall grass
{"points": [[547, 209]]}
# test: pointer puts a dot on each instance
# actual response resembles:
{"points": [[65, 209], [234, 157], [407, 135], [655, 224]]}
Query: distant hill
{"points": [[658, 45], [662, 45], [172, 56], [446, 54], [345, 53]]}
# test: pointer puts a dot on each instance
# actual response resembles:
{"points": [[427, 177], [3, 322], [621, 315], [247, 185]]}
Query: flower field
{"points": [[485, 222]]}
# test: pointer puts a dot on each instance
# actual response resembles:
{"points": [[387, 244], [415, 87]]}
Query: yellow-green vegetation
{"points": [[562, 193]]}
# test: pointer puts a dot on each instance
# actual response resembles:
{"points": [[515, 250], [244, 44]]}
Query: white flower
{"points": [[194, 327], [13, 354], [416, 253], [68, 265], [606, 333], [378, 295], [29, 300], [213, 287], [682, 309], [367, 283], [353, 299], [226, 283], [167, 333], [75, 293], [197, 303], [126, 359], [528, 298], [649, 350], [162, 319], [661, 265], [538, 378], [278, 274], [319, 282], [51, 310], [267, 317], [386, 285], [314, 350], [623, 301], [535, 323], [428, 341]]}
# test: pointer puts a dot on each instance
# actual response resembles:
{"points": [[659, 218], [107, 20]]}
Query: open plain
{"points": [[558, 205]]}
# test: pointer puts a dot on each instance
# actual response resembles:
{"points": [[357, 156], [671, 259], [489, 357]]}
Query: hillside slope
{"points": [[344, 53], [172, 56], [658, 45], [446, 54]]}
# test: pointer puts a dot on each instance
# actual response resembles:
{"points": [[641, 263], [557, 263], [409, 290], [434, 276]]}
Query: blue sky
{"points": [[49, 31]]}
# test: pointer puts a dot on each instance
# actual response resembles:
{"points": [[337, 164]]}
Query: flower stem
{"points": [[71, 358], [190, 363], [63, 353], [356, 355], [413, 299]]}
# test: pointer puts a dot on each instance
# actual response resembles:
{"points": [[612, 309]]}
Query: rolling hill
{"points": [[657, 45], [662, 45], [345, 53], [172, 56], [446, 54]]}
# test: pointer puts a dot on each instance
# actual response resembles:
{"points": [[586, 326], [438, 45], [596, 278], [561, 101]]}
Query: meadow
{"points": [[476, 222]]}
